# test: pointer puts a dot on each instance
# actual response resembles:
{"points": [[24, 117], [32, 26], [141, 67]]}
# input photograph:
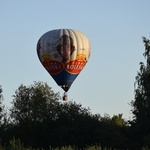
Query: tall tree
{"points": [[33, 102], [3, 116], [141, 104], [33, 110], [1, 106]]}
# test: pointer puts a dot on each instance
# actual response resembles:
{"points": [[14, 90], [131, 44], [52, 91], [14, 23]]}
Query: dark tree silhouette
{"points": [[141, 104], [39, 119], [1, 106]]}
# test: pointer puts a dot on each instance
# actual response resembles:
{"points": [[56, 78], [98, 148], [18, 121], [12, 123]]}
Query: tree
{"points": [[33, 111], [3, 117], [1, 107], [75, 126], [34, 103], [141, 104], [2, 113], [118, 120]]}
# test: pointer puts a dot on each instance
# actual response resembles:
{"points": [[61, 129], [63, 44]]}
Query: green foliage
{"points": [[1, 106], [34, 103], [118, 120], [3, 117], [39, 120], [141, 105], [16, 145]]}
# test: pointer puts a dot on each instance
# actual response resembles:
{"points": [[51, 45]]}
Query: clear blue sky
{"points": [[114, 28]]}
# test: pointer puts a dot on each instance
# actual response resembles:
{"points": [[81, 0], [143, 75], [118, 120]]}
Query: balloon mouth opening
{"points": [[65, 87]]}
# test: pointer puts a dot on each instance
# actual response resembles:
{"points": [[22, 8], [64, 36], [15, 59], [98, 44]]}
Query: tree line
{"points": [[39, 119]]}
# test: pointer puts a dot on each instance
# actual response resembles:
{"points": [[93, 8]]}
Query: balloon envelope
{"points": [[64, 53]]}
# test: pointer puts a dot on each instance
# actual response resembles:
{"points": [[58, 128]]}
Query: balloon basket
{"points": [[65, 97]]}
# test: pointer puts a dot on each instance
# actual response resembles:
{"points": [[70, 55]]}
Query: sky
{"points": [[115, 29]]}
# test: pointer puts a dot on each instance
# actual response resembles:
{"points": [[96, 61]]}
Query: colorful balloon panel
{"points": [[64, 53]]}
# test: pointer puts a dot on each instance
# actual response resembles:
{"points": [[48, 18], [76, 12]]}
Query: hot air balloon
{"points": [[63, 53]]}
